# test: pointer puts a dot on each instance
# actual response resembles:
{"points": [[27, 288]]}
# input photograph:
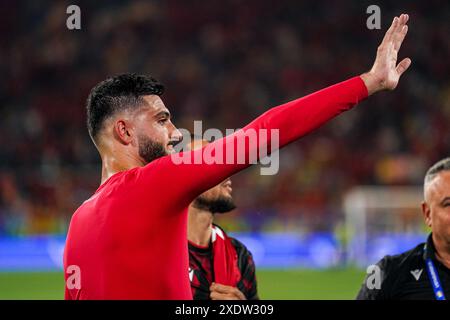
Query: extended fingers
{"points": [[401, 22], [396, 32], [403, 66], [400, 32], [390, 31]]}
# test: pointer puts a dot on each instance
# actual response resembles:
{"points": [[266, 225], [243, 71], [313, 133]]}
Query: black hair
{"points": [[442, 165], [118, 93]]}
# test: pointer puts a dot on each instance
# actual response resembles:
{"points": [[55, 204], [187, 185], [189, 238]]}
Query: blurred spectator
{"points": [[217, 62]]}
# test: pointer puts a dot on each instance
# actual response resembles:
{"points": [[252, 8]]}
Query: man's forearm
{"points": [[292, 120], [301, 116]]}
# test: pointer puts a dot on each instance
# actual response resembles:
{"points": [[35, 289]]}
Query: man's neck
{"points": [[114, 162], [199, 226], [442, 248]]}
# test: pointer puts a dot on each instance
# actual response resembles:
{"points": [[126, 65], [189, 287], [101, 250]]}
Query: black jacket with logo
{"points": [[405, 276]]}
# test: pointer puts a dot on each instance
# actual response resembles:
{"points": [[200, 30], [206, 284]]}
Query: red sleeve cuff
{"points": [[360, 88]]}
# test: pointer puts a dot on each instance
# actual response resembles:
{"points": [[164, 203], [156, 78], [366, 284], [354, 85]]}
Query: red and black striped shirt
{"points": [[201, 270]]}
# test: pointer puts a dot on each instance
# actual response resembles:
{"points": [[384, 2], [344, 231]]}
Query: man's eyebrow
{"points": [[163, 113]]}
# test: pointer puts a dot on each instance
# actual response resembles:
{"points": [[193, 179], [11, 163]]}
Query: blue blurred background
{"points": [[220, 60], [270, 250]]}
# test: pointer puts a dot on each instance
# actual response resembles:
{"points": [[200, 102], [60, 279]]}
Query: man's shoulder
{"points": [[393, 275], [238, 245], [405, 259]]}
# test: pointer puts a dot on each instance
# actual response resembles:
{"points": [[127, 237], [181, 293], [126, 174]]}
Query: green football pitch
{"points": [[272, 284]]}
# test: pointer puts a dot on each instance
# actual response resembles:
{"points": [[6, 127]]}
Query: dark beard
{"points": [[219, 205], [150, 150]]}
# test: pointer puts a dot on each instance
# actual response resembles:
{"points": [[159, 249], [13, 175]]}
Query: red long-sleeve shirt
{"points": [[129, 240]]}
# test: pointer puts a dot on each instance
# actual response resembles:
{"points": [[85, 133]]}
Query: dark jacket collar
{"points": [[429, 251]]}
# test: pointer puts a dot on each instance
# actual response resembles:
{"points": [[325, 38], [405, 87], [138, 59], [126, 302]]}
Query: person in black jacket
{"points": [[423, 272]]}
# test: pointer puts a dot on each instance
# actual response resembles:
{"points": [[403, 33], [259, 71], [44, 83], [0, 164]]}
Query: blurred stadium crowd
{"points": [[223, 63]]}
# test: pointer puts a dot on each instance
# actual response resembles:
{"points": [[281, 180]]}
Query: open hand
{"points": [[385, 72]]}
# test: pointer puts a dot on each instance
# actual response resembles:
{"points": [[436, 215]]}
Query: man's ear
{"points": [[123, 131], [426, 211]]}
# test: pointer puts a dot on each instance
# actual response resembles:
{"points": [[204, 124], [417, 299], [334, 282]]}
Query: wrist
{"points": [[372, 82]]}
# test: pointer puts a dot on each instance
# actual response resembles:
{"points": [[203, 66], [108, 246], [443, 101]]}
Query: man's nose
{"points": [[176, 134]]}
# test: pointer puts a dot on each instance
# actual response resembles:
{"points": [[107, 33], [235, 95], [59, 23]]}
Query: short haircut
{"points": [[116, 94], [442, 165]]}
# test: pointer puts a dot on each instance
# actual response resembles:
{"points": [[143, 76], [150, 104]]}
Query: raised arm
{"points": [[293, 120]]}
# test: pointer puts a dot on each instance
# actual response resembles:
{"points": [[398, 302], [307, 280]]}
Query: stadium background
{"points": [[223, 63]]}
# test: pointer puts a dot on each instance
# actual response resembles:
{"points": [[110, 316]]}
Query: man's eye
{"points": [[162, 121]]}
